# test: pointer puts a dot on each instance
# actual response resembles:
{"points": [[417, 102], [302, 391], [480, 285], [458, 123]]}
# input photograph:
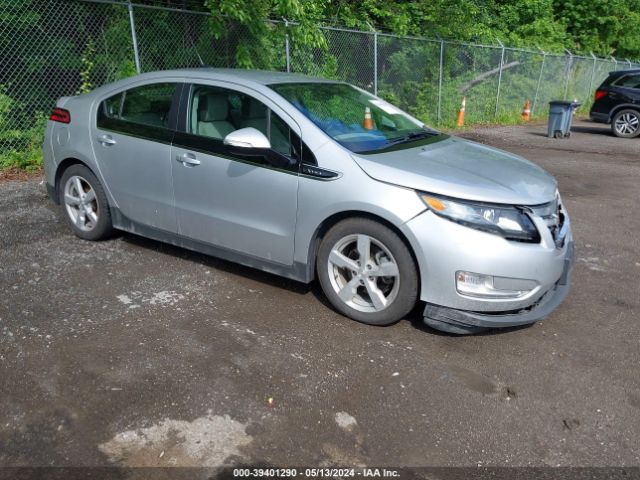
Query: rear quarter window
{"points": [[628, 81]]}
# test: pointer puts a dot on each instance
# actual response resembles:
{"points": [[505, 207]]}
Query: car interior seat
{"points": [[212, 114]]}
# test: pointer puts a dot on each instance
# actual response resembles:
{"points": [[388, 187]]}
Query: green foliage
{"points": [[257, 43], [95, 47], [25, 149], [44, 57], [112, 58], [606, 27], [87, 68]]}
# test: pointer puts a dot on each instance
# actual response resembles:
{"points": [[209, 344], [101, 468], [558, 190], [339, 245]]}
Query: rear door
{"points": [[225, 196], [132, 143]]}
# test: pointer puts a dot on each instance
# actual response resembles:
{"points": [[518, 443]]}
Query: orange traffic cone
{"points": [[526, 111], [368, 121], [460, 121]]}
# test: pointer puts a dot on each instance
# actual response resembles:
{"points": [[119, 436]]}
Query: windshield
{"points": [[354, 118]]}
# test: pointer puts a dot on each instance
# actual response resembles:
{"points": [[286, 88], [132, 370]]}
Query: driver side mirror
{"points": [[247, 138]]}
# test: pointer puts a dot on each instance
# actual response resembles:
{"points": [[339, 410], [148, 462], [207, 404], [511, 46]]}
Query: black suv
{"points": [[617, 102]]}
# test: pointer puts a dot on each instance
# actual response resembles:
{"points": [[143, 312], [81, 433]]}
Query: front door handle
{"points": [[106, 140], [188, 160]]}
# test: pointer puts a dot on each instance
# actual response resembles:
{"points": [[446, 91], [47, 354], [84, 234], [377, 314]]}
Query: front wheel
{"points": [[626, 124], [367, 272]]}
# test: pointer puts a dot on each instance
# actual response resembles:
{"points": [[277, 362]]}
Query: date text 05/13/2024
{"points": [[315, 473]]}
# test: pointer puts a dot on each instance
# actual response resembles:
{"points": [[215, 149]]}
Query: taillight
{"points": [[600, 94], [60, 115]]}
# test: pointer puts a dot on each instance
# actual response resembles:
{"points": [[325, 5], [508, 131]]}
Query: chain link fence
{"points": [[54, 48]]}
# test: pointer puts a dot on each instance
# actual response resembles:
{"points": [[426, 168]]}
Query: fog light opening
{"points": [[482, 286]]}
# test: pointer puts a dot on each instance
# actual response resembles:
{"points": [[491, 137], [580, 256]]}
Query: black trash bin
{"points": [[560, 117]]}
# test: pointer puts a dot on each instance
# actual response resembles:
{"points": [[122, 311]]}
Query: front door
{"points": [[132, 143], [229, 198]]}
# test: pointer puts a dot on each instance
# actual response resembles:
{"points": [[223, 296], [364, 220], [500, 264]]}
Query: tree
{"points": [[606, 27]]}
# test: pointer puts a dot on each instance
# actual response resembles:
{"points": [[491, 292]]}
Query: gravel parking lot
{"points": [[133, 353]]}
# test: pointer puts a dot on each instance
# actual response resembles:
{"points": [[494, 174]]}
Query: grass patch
{"points": [[20, 148], [25, 150]]}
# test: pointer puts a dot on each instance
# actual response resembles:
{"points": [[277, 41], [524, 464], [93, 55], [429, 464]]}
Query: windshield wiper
{"points": [[410, 137]]}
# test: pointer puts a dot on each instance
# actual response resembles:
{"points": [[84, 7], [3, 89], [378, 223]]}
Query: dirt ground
{"points": [[130, 352]]}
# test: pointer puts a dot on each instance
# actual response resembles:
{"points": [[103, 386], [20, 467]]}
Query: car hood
{"points": [[460, 168]]}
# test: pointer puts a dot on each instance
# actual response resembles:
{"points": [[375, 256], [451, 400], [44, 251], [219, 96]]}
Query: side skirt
{"points": [[300, 272]]}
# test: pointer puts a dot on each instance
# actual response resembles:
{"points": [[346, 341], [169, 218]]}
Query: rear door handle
{"points": [[188, 159], [106, 140]]}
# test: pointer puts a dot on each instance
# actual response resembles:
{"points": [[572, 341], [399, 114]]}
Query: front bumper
{"points": [[461, 321], [443, 248]]}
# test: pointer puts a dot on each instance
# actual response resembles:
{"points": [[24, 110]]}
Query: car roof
{"points": [[250, 78], [619, 73], [262, 77]]}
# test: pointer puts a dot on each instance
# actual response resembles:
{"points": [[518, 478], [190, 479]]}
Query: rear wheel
{"points": [[626, 124], [85, 203], [367, 272]]}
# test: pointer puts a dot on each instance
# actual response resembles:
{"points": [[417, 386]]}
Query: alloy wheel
{"points": [[627, 124], [81, 203], [363, 273]]}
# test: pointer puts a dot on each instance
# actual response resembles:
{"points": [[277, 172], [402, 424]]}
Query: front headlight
{"points": [[504, 220]]}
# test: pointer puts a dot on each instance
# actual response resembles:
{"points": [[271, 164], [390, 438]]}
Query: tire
{"points": [[626, 123], [87, 210], [358, 289]]}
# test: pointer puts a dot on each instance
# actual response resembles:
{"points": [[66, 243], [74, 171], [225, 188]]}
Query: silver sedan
{"points": [[309, 178]]}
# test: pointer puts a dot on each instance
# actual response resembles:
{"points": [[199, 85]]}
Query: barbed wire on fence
{"points": [[50, 49]]}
